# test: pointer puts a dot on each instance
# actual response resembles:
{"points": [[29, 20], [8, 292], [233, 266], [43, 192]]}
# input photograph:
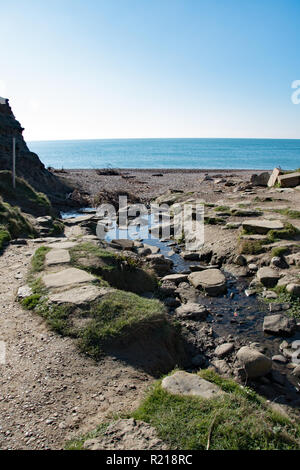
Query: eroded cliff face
{"points": [[28, 164]]}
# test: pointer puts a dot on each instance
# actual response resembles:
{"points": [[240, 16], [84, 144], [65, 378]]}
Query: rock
{"points": [[176, 278], [252, 267], [268, 276], [212, 281], [55, 257], [273, 178], [240, 260], [24, 291], [289, 180], [269, 294], [279, 262], [167, 288], [249, 292], [67, 277], [63, 245], [153, 249], [190, 255], [221, 367], [126, 434], [293, 289], [183, 383], [192, 311], [279, 358], [198, 360], [262, 226], [255, 363], [293, 259], [159, 263], [278, 307], [224, 349], [80, 295], [123, 244], [279, 325], [261, 179], [296, 371]]}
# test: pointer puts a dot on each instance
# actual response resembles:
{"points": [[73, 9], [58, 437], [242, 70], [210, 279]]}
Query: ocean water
{"points": [[170, 153]]}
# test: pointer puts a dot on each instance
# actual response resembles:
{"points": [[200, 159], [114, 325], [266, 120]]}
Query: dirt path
{"points": [[48, 390]]}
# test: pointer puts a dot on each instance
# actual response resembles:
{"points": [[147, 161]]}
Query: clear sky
{"points": [[78, 69]]}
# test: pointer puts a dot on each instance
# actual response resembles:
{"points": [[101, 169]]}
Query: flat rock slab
{"points": [[192, 310], [273, 177], [290, 180], [80, 295], [123, 244], [67, 277], [279, 325], [62, 245], [268, 276], [176, 278], [211, 280], [262, 226], [55, 257], [78, 220], [255, 363], [184, 383]]}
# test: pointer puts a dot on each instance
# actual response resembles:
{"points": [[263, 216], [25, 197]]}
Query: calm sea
{"points": [[170, 153]]}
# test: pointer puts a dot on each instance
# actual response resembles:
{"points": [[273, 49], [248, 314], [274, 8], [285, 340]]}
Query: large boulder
{"points": [[289, 180], [261, 179], [255, 363], [192, 310], [279, 325], [293, 289], [268, 276], [262, 226], [212, 281], [183, 383]]}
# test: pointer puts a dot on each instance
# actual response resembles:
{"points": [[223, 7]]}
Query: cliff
{"points": [[28, 164]]}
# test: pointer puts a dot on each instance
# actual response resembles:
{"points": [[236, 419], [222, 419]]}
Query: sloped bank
{"points": [[99, 317]]}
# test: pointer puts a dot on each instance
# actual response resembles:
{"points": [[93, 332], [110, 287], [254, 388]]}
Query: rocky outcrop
{"points": [[28, 164]]}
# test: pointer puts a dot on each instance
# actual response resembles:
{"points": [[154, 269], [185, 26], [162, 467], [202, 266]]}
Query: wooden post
{"points": [[14, 163]]}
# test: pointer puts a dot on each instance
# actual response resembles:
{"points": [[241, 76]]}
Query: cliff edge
{"points": [[28, 164]]}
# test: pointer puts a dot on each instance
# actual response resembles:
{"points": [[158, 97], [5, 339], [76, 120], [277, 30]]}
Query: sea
{"points": [[256, 154]]}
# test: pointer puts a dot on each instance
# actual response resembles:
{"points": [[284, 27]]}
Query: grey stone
{"points": [[212, 281], [24, 291], [279, 358], [268, 276], [279, 325], [183, 383], [255, 363], [293, 289], [176, 278], [224, 349], [262, 226], [55, 257], [80, 295], [67, 277], [261, 179], [289, 180], [192, 311]]}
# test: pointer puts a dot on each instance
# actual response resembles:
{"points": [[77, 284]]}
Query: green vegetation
{"points": [[12, 221], [31, 302], [112, 268], [23, 195], [288, 232], [292, 214], [4, 238], [213, 220], [119, 316], [280, 251], [251, 247], [38, 259], [284, 296], [239, 420], [222, 209]]}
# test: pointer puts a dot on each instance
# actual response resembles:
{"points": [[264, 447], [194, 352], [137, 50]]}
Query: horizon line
{"points": [[163, 138]]}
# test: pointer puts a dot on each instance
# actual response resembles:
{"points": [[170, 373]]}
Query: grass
{"points": [[222, 209], [213, 220], [287, 233], [4, 238], [38, 259], [14, 222], [113, 268], [284, 296], [23, 195], [239, 420], [280, 251], [251, 247], [292, 214]]}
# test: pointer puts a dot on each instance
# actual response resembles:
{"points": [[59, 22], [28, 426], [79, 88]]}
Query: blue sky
{"points": [[76, 69]]}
